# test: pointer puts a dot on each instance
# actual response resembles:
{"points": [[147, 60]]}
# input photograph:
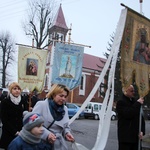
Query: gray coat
{"points": [[59, 128]]}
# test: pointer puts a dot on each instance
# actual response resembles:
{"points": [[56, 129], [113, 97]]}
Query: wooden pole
{"points": [[69, 38], [72, 96], [30, 101], [33, 43]]}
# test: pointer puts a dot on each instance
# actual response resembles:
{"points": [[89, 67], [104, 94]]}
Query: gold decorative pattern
{"points": [[135, 52]]}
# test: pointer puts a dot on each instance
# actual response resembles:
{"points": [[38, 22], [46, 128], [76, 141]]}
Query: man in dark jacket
{"points": [[128, 111]]}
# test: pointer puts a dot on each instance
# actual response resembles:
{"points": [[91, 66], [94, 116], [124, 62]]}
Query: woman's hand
{"points": [[17, 133], [69, 137], [51, 138]]}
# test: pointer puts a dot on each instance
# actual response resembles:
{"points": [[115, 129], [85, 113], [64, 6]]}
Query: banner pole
{"points": [[51, 65], [141, 1], [72, 96], [140, 115], [30, 101], [140, 120]]}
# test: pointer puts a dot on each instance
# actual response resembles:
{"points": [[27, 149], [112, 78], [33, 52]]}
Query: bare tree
{"points": [[7, 48], [40, 16]]}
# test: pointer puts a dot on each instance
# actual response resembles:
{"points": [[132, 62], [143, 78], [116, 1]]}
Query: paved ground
{"points": [[85, 132]]}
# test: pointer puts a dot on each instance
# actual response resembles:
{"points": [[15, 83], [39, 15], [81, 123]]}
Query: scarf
{"points": [[56, 110], [15, 100], [28, 137]]}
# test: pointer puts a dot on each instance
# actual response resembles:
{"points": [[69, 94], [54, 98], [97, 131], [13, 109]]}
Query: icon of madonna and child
{"points": [[31, 66], [142, 50]]}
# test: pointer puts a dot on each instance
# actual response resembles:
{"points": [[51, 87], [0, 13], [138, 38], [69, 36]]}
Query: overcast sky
{"points": [[93, 21]]}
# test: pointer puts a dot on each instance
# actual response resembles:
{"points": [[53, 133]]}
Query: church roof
{"points": [[93, 62], [59, 19]]}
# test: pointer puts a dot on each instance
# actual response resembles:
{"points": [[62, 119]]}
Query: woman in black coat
{"points": [[128, 111], [12, 108]]}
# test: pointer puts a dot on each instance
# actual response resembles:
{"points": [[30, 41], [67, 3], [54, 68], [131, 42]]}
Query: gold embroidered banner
{"points": [[31, 68], [135, 52]]}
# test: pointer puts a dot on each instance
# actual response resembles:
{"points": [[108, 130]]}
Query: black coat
{"points": [[2, 96], [128, 120], [11, 116]]}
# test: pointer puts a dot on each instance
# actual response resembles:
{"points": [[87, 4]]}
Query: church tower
{"points": [[59, 29], [57, 32]]}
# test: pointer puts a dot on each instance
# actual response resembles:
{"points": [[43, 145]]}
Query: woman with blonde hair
{"points": [[56, 118], [12, 108]]}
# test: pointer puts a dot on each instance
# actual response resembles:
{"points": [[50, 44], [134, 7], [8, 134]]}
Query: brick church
{"points": [[91, 69]]}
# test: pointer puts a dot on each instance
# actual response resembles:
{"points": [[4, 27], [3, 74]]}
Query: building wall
{"points": [[75, 96]]}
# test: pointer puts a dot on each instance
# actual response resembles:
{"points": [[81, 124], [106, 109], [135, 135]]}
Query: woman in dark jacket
{"points": [[12, 108], [128, 111]]}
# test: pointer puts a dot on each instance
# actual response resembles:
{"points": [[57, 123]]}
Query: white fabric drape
{"points": [[104, 125], [105, 113]]}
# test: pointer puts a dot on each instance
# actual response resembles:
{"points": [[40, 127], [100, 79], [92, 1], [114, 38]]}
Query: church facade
{"points": [[91, 69]]}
